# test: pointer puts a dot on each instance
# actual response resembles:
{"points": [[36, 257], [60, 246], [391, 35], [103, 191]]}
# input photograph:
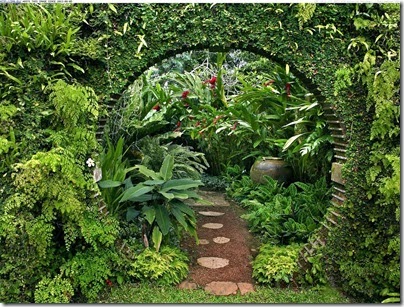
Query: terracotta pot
{"points": [[273, 167]]}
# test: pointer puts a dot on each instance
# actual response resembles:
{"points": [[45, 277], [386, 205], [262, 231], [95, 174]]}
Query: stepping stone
{"points": [[221, 288], [221, 240], [245, 287], [211, 213], [213, 262], [188, 285], [203, 241], [212, 225]]}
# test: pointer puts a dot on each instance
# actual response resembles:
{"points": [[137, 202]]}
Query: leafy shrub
{"points": [[56, 291], [313, 273], [275, 265], [158, 200], [51, 212], [240, 189], [166, 267], [90, 270], [188, 163], [214, 183], [284, 214]]}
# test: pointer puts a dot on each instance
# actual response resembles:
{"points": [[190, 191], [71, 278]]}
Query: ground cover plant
{"points": [[63, 67], [146, 293]]}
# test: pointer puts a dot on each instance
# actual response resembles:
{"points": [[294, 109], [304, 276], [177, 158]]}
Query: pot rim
{"points": [[271, 158]]}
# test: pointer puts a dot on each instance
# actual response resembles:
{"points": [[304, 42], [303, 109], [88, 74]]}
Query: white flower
{"points": [[90, 162]]}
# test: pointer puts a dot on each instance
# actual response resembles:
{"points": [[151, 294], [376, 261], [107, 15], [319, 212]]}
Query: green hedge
{"points": [[107, 46]]}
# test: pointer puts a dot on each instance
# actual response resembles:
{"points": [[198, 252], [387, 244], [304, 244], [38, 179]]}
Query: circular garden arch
{"points": [[116, 43], [315, 45], [159, 31]]}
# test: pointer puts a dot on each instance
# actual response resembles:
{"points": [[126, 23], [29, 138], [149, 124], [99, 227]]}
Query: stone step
{"points": [[211, 213], [221, 240], [213, 262], [228, 288], [212, 225]]}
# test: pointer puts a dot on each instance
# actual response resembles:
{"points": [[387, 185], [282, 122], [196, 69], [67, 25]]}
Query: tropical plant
{"points": [[142, 111], [286, 214], [159, 201], [280, 118], [115, 169], [188, 163]]}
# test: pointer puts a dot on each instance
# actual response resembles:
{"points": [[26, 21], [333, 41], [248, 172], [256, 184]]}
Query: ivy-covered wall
{"points": [[347, 54], [319, 42]]}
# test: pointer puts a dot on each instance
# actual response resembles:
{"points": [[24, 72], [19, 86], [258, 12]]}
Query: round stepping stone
{"points": [[210, 213], [203, 241], [221, 240], [221, 288], [212, 225], [213, 262]]}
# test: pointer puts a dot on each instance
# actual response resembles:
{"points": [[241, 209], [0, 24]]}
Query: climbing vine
{"points": [[85, 56]]}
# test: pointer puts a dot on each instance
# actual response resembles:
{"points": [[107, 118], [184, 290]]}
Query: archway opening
{"points": [[218, 113]]}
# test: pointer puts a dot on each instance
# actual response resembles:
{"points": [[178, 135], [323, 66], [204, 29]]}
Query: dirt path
{"points": [[221, 263]]}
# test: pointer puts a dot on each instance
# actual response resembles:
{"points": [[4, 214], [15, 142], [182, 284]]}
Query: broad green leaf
{"points": [[179, 195], [291, 140], [131, 214], [256, 143], [142, 198], [135, 191], [157, 237], [162, 219], [109, 184], [183, 207], [166, 170], [191, 194], [180, 184], [149, 214], [128, 183], [148, 172], [179, 216], [153, 182], [167, 195]]}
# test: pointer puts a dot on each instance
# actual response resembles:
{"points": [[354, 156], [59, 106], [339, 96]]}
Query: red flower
{"points": [[287, 88], [156, 107], [109, 283], [185, 94], [212, 80]]}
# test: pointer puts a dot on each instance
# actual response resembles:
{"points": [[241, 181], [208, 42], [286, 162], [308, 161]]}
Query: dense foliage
{"points": [[278, 214], [61, 65]]}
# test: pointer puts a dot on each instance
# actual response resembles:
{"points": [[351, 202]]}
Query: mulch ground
{"points": [[240, 250]]}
